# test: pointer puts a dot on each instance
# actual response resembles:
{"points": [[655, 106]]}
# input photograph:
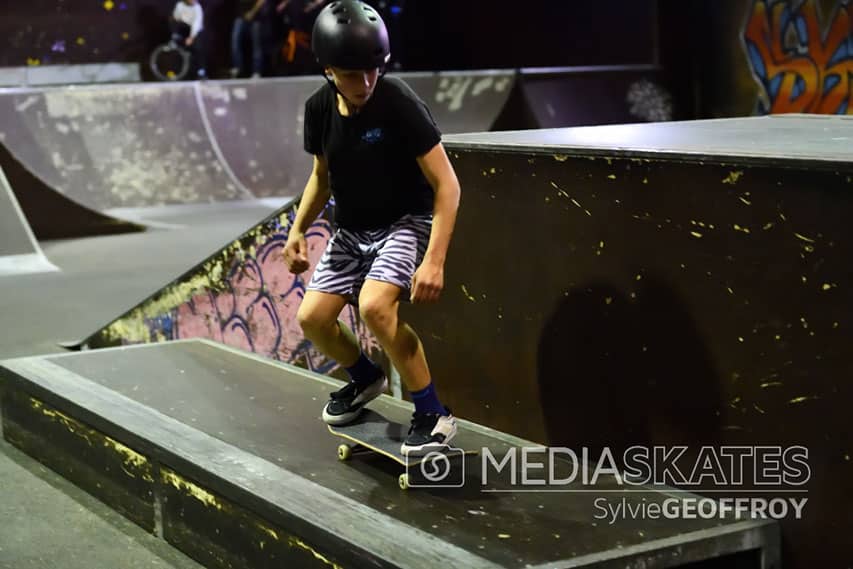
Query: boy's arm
{"points": [[314, 197], [313, 200], [429, 278]]}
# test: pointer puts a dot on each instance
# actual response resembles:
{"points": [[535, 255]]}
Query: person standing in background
{"points": [[249, 18], [292, 49], [188, 28]]}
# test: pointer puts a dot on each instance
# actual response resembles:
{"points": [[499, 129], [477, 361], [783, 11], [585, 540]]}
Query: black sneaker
{"points": [[347, 403], [429, 432]]}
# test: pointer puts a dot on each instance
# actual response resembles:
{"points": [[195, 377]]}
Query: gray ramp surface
{"points": [[815, 139], [125, 146], [245, 404], [19, 250], [258, 127], [117, 146]]}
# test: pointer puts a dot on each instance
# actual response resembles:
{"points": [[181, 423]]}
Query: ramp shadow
{"points": [[616, 371]]}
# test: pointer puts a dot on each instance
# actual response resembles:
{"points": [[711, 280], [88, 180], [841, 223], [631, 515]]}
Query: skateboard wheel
{"points": [[404, 481], [344, 452]]}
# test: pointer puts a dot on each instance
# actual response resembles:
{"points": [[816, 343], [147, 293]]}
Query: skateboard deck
{"points": [[373, 432]]}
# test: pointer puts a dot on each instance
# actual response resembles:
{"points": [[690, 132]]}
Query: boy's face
{"points": [[356, 86]]}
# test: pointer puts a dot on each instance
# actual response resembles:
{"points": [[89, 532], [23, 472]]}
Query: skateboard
{"points": [[373, 432]]}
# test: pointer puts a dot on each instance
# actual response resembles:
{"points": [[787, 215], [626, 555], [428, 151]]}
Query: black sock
{"points": [[364, 371]]}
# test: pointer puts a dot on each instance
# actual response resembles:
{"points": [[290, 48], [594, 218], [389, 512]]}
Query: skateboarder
{"points": [[378, 151]]}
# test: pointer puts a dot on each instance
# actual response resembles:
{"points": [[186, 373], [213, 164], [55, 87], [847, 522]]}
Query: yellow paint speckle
{"points": [[81, 41], [133, 463], [827, 286], [561, 157], [467, 294], [645, 180], [733, 177], [744, 200], [295, 542], [696, 234], [504, 536], [125, 36], [611, 177], [804, 238], [741, 229], [108, 5], [796, 400], [194, 490]]}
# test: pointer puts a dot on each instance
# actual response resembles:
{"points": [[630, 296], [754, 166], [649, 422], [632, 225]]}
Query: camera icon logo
{"points": [[440, 468]]}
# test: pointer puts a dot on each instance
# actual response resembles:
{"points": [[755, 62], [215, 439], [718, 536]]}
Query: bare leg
{"points": [[378, 305], [318, 317]]}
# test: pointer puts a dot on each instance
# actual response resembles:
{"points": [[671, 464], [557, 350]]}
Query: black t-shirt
{"points": [[373, 173]]}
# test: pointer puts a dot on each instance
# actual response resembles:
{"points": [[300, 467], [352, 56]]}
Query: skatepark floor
{"points": [[49, 523], [101, 277]]}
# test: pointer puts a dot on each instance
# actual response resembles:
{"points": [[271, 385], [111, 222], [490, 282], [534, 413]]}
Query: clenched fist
{"points": [[296, 253]]}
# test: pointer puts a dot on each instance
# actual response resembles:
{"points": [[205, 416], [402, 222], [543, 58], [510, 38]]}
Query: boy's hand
{"points": [[296, 253], [427, 282]]}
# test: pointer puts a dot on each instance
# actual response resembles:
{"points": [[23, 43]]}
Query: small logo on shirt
{"points": [[372, 136]]}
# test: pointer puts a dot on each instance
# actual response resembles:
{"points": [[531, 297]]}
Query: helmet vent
{"points": [[339, 10], [372, 18], [344, 20]]}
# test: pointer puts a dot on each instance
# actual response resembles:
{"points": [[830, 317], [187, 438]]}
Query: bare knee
{"points": [[376, 313], [313, 323]]}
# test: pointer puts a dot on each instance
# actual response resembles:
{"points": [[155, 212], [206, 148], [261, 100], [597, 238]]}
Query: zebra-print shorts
{"points": [[389, 255]]}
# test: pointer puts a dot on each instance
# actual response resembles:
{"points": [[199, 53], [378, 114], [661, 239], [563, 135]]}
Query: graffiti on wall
{"points": [[803, 62], [243, 297]]}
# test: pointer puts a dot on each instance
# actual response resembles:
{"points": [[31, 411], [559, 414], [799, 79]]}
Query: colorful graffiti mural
{"points": [[801, 66], [244, 297]]}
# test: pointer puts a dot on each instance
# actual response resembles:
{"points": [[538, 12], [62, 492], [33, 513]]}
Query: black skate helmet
{"points": [[349, 34]]}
